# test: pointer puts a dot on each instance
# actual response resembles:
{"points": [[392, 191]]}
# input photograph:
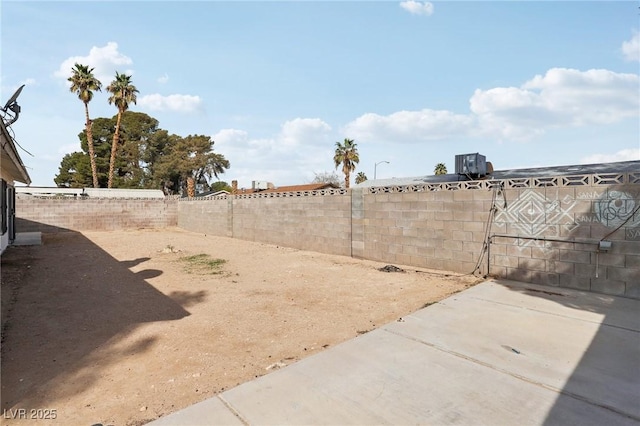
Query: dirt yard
{"points": [[120, 328]]}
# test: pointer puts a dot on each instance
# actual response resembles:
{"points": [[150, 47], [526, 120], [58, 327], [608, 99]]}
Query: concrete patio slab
{"points": [[208, 412], [501, 352], [28, 239]]}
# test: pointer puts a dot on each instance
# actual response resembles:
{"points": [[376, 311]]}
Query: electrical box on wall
{"points": [[604, 246]]}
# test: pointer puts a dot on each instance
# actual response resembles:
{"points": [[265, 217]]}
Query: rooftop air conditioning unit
{"points": [[472, 165], [262, 185]]}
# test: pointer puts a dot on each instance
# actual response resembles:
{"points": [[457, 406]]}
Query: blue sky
{"points": [[276, 84]]}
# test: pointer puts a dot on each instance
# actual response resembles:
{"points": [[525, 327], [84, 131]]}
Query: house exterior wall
{"points": [[7, 209]]}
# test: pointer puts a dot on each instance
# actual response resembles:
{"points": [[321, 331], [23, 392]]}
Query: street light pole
{"points": [[375, 168]]}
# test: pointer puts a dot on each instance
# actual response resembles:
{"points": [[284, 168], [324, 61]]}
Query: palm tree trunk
{"points": [[347, 174], [92, 157], [191, 187], [114, 149]]}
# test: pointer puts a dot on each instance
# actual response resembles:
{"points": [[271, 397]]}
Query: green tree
{"points": [[74, 171], [150, 157], [440, 169], [83, 83], [139, 142], [142, 143], [220, 185], [346, 154], [188, 159], [361, 177], [123, 93]]}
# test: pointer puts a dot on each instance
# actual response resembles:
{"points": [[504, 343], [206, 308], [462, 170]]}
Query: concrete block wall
{"points": [[438, 230], [316, 223], [207, 216], [540, 234], [52, 214], [547, 218]]}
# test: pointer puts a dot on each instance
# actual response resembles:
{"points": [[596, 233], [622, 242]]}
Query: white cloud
{"points": [[409, 126], [631, 49], [302, 146], [417, 7], [303, 131], [630, 154], [163, 79], [177, 103], [106, 61], [561, 98], [69, 148], [29, 82], [230, 137]]}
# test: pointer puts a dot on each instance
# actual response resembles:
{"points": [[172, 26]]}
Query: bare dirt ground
{"points": [[120, 328]]}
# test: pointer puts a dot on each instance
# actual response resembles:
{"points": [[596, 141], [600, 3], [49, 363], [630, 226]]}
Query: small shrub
{"points": [[203, 264]]}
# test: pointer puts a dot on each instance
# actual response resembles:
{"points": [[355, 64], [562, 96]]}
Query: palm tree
{"points": [[347, 155], [122, 94], [361, 177], [440, 169], [84, 84]]}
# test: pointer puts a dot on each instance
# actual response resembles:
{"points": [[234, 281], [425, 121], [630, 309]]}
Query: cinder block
{"points": [[462, 235], [498, 271], [608, 259], [482, 195], [473, 226], [632, 261], [402, 259], [632, 290], [518, 274], [463, 195], [608, 286], [545, 278], [471, 246], [444, 215], [623, 274], [434, 263], [545, 253], [518, 251], [498, 249], [532, 264], [575, 256], [452, 245], [584, 270], [572, 281], [507, 261], [463, 215]]}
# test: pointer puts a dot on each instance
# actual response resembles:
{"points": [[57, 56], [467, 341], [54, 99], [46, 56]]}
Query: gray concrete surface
{"points": [[28, 239], [499, 353]]}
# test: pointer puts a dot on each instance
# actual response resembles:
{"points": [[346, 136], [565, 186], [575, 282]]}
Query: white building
{"points": [[12, 170]]}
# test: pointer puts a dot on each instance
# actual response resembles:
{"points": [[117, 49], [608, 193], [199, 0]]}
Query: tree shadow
{"points": [[188, 298], [75, 304]]}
